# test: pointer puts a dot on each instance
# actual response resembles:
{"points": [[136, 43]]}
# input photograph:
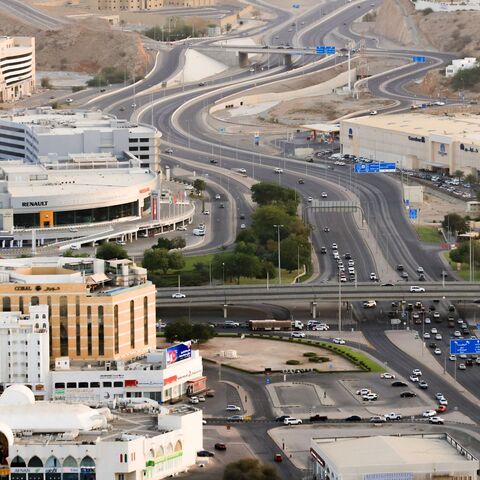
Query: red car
{"points": [[220, 446], [278, 457], [441, 409]]}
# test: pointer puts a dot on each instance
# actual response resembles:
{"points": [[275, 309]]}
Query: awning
{"points": [[97, 279], [323, 127]]}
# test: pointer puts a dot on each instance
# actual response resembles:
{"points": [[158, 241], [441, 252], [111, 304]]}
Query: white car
{"points": [[416, 289], [417, 372], [233, 408], [392, 416], [420, 270], [339, 341], [194, 400], [182, 228], [437, 351], [363, 391], [217, 196], [324, 195], [377, 419], [462, 366], [414, 378], [426, 335], [369, 304], [387, 375], [369, 397], [168, 150], [298, 335], [434, 330], [320, 327], [436, 420], [373, 112], [279, 170], [243, 226], [292, 421], [429, 413], [178, 295], [201, 398], [438, 336], [443, 401], [206, 212], [457, 333], [373, 277], [427, 321], [310, 199]]}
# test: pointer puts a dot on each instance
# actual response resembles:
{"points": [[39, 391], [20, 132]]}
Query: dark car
{"points": [[469, 362], [301, 181], [399, 384], [353, 418], [408, 395], [432, 345], [220, 446], [282, 418], [400, 268], [242, 216], [318, 418], [323, 250], [212, 160], [205, 453]]}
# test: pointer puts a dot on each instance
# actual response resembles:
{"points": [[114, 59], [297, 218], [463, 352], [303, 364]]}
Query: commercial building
{"points": [[411, 457], [461, 64], [98, 310], [30, 134], [24, 348], [161, 375], [139, 5], [17, 68], [57, 441], [438, 143]]}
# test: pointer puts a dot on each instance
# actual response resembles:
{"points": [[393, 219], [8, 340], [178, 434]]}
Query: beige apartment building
{"points": [[138, 5], [98, 310], [17, 68]]}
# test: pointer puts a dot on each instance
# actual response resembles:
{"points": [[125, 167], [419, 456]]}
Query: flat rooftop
{"points": [[385, 451], [460, 127]]}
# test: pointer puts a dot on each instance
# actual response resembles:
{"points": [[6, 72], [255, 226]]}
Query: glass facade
{"points": [[73, 217]]}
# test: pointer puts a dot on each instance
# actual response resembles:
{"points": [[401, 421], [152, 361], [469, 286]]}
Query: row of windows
{"points": [[117, 384], [136, 140], [136, 149]]}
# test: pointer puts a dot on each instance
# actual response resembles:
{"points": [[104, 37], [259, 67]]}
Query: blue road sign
{"points": [[478, 326], [416, 59], [413, 214], [374, 167], [325, 50], [407, 202], [465, 346], [267, 381]]}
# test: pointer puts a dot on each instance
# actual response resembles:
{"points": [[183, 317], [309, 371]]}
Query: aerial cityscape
{"points": [[239, 239]]}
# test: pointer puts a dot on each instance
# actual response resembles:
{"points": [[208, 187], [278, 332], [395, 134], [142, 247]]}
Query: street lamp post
{"points": [[279, 255]]}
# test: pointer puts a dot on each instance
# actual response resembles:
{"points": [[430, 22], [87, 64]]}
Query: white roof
{"points": [[323, 127], [383, 452], [20, 411]]}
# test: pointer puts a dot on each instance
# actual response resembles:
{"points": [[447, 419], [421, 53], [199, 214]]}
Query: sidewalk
{"points": [[409, 342]]}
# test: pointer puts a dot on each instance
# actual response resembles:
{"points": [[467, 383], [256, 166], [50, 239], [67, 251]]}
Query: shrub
{"points": [[426, 11], [309, 354], [292, 362]]}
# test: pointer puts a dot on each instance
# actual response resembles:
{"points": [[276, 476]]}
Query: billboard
{"points": [[178, 352], [465, 346]]}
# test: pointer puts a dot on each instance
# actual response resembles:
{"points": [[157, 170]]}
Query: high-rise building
{"points": [[17, 68]]}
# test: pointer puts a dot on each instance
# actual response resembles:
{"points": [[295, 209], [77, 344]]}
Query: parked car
{"points": [[436, 420], [292, 421], [220, 446], [408, 395], [387, 375], [377, 419], [233, 408], [398, 383], [392, 416], [353, 418], [205, 453], [318, 418]]}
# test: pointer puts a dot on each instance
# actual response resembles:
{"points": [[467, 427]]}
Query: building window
{"points": [[115, 326], [145, 320], [118, 384], [82, 384], [49, 303], [132, 324], [34, 301], [89, 330], [63, 326], [71, 384], [78, 337], [6, 304], [107, 384], [101, 332], [20, 304]]}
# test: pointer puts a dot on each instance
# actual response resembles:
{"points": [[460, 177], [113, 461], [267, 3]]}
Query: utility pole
{"points": [[279, 256]]}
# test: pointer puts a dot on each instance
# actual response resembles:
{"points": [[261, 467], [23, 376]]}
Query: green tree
{"points": [[110, 251], [269, 193], [458, 174], [45, 82], [250, 469], [247, 236], [180, 330], [471, 179], [453, 222], [164, 243], [175, 261], [199, 185], [178, 242], [235, 265], [202, 332], [156, 259], [295, 251], [462, 253]]}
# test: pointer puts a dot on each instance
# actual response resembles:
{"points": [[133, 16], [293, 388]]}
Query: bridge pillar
{"points": [[225, 310], [287, 60], [313, 309], [243, 59]]}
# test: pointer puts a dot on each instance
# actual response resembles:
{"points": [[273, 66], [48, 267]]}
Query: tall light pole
{"points": [[278, 227]]}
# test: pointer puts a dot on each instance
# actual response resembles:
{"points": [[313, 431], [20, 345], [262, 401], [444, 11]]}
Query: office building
{"points": [[437, 143], [24, 349], [409, 457], [98, 310], [58, 441], [17, 68], [44, 132]]}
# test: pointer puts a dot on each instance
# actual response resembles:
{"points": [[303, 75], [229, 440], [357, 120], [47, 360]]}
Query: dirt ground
{"points": [[255, 355]]}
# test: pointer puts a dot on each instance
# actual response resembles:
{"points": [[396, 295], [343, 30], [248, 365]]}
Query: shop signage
{"points": [[43, 203]]}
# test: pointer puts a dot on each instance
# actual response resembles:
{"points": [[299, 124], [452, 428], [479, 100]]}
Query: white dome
{"points": [[7, 431], [17, 395]]}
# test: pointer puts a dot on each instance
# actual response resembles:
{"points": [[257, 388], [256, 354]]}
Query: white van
{"points": [[198, 232]]}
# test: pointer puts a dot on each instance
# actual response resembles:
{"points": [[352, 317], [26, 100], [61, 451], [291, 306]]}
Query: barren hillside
{"points": [[84, 46]]}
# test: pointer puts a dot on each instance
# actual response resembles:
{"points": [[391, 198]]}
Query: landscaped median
{"points": [[259, 354], [429, 234]]}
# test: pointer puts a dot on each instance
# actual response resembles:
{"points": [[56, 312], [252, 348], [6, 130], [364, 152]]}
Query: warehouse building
{"points": [[409, 457], [17, 68], [437, 143]]}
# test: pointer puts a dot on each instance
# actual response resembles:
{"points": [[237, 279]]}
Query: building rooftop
{"points": [[460, 127], [385, 451]]}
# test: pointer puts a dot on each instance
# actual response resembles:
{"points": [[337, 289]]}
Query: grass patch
{"points": [[429, 234], [356, 357], [464, 272]]}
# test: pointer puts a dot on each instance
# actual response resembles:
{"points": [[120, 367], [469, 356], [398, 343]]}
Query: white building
{"points": [[84, 444], [17, 68], [155, 376], [411, 457], [461, 64], [24, 348], [28, 134]]}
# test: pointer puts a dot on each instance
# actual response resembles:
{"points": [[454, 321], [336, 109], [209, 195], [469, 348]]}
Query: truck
{"points": [[298, 325], [268, 325]]}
